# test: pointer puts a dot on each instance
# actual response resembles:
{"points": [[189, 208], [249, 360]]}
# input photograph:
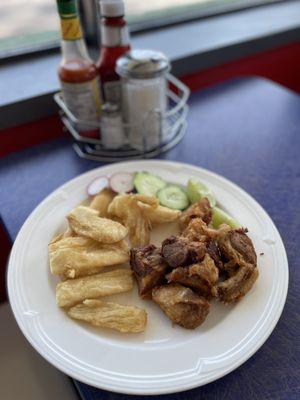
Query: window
{"points": [[32, 24], [147, 12], [27, 24]]}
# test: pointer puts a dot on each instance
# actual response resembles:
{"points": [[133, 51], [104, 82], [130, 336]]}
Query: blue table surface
{"points": [[248, 130]]}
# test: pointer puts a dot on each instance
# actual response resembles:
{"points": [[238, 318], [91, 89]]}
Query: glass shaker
{"points": [[112, 132], [144, 96]]}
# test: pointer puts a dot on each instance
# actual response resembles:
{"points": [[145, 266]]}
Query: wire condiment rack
{"points": [[173, 127]]}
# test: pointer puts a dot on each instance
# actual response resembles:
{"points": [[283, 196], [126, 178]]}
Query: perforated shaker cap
{"points": [[142, 64], [112, 8]]}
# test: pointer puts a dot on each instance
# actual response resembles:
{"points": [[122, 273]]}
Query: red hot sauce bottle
{"points": [[77, 73], [115, 42]]}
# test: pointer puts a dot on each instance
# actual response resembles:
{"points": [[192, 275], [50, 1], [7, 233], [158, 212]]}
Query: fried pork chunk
{"points": [[237, 248], [149, 268], [234, 244], [201, 209], [179, 251], [234, 288], [213, 250], [201, 277], [181, 305], [196, 231]]}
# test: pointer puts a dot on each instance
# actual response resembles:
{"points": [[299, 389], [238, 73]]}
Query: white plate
{"points": [[164, 359]]}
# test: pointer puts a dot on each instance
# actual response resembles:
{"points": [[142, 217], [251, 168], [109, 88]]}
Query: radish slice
{"points": [[121, 182], [97, 185]]}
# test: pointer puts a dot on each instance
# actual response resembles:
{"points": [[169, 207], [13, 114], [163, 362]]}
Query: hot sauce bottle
{"points": [[77, 73], [114, 43]]}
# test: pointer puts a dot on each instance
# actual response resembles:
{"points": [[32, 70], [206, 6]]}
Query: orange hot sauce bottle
{"points": [[77, 72], [115, 42]]}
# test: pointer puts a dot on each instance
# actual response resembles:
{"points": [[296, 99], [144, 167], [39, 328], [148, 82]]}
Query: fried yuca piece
{"points": [[101, 201], [150, 200], [77, 256], [122, 318], [67, 233], [125, 207], [160, 214], [86, 222], [74, 291]]}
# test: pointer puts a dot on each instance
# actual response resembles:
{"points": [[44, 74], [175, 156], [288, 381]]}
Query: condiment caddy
{"points": [[127, 105]]}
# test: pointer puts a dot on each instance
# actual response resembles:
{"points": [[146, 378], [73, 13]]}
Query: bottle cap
{"points": [[66, 8], [143, 64], [112, 8], [110, 108]]}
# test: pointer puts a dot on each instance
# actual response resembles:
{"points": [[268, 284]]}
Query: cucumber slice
{"points": [[148, 184], [173, 197], [221, 217], [197, 190]]}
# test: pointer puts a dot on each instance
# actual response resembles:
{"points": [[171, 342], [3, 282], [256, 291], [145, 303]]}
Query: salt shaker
{"points": [[144, 94], [112, 132]]}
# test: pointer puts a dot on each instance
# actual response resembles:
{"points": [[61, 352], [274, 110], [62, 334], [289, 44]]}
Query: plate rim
{"points": [[169, 389]]}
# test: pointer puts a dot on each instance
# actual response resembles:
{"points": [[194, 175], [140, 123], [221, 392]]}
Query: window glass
{"points": [[144, 10], [27, 24]]}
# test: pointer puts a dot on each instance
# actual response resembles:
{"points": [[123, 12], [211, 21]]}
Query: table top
{"points": [[247, 130]]}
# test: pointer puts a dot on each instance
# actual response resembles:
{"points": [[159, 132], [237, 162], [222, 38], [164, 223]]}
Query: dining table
{"points": [[246, 129]]}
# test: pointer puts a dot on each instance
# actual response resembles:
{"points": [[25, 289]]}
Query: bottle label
{"points": [[83, 100], [114, 36], [69, 21], [112, 92], [70, 29]]}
